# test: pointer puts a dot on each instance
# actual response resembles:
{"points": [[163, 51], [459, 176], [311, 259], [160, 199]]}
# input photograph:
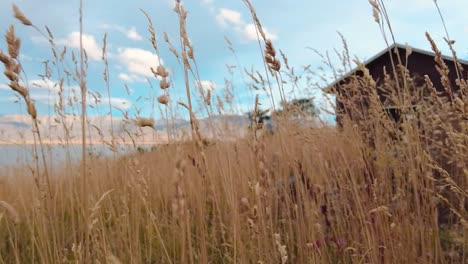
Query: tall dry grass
{"points": [[373, 191]]}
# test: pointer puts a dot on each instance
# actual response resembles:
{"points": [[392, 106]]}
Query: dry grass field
{"points": [[372, 191]]}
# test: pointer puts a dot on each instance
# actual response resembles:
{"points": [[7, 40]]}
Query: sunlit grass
{"points": [[303, 191]]}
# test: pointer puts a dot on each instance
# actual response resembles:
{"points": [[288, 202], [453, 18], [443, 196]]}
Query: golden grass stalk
{"points": [[12, 71], [151, 31], [254, 198], [111, 259], [12, 213], [281, 249]]}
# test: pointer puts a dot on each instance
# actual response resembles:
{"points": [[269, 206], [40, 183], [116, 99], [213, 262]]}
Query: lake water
{"points": [[20, 155]]}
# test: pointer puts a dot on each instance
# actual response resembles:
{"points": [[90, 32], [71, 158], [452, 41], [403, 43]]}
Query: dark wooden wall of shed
{"points": [[418, 64]]}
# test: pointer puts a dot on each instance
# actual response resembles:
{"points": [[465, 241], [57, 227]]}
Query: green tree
{"points": [[299, 108], [258, 117]]}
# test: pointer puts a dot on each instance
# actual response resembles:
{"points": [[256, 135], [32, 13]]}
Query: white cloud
{"points": [[206, 85], [138, 61], [106, 26], [25, 57], [233, 19], [133, 34], [39, 40], [44, 98], [125, 77], [92, 99], [229, 17], [130, 33], [96, 99], [90, 45], [120, 103], [45, 91], [423, 5], [250, 33], [130, 78], [210, 5], [37, 85], [44, 84]]}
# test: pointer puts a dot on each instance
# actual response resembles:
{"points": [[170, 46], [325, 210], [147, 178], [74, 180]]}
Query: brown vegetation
{"points": [[375, 191]]}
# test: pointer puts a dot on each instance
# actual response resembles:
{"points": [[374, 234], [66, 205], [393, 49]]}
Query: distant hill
{"points": [[14, 124], [17, 128]]}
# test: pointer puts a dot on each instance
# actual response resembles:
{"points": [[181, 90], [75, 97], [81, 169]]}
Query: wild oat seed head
{"points": [[269, 59], [376, 14], [151, 31], [20, 16], [183, 13], [31, 109], [104, 47], [190, 53], [164, 84], [4, 58], [281, 249], [145, 122], [177, 7], [374, 4], [245, 202], [409, 50], [162, 71], [183, 105], [208, 98], [174, 51], [163, 99], [11, 75], [14, 43], [220, 102], [276, 65], [18, 88], [16, 67], [269, 48], [186, 61]]}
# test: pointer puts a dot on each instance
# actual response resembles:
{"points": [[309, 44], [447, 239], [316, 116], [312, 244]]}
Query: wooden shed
{"points": [[418, 64]]}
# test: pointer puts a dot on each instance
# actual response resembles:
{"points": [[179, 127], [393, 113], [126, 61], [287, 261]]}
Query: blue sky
{"points": [[292, 25]]}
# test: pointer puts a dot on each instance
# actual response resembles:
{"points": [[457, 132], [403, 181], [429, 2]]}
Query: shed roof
{"points": [[390, 49]]}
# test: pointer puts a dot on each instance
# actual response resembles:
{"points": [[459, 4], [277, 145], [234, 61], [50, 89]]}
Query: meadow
{"points": [[305, 191]]}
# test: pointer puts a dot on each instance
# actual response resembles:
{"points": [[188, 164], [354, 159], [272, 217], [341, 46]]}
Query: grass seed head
{"points": [[163, 99], [145, 122], [20, 16], [31, 108], [164, 84], [12, 76], [208, 98], [162, 71], [13, 42], [18, 88], [5, 59]]}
